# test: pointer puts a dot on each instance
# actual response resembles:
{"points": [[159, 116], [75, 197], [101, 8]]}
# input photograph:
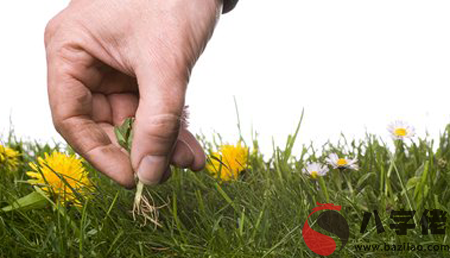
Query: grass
{"points": [[260, 215]]}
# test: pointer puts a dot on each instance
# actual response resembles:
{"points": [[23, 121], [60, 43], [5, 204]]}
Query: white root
{"points": [[144, 207]]}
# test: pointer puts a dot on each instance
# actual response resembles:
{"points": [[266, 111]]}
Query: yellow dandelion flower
{"points": [[228, 162], [61, 175], [9, 159]]}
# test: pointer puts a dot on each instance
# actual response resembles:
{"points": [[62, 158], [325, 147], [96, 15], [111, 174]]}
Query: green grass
{"points": [[260, 215]]}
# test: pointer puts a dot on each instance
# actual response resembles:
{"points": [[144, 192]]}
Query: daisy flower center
{"points": [[314, 174], [400, 132], [342, 162]]}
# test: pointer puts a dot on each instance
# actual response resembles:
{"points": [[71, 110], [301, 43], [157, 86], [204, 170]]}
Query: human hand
{"points": [[113, 59]]}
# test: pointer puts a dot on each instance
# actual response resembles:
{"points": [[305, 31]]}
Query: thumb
{"points": [[157, 124]]}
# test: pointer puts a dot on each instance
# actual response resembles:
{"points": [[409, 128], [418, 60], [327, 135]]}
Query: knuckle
{"points": [[58, 123], [50, 29], [58, 126], [168, 122], [62, 124], [67, 51], [164, 127], [70, 59], [64, 41]]}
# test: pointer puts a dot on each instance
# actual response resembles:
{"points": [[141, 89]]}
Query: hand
{"points": [[113, 59]]}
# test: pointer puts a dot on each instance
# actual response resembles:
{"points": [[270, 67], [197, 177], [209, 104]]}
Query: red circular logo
{"points": [[331, 221]]}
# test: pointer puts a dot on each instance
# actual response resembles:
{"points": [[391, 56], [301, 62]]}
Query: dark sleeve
{"points": [[228, 5]]}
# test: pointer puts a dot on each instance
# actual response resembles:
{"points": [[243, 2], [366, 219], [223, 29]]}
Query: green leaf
{"points": [[364, 178], [412, 182], [34, 200], [124, 133]]}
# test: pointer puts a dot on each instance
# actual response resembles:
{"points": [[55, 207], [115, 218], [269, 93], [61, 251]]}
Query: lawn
{"points": [[260, 214]]}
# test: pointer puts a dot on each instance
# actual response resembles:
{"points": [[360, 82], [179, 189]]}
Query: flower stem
{"points": [[324, 189]]}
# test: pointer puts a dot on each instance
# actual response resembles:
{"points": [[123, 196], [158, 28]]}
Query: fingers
{"points": [[166, 175], [101, 109], [182, 155], [157, 123], [71, 105], [123, 106], [91, 142], [188, 153]]}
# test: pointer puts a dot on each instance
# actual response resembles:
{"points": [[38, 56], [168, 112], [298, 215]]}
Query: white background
{"points": [[354, 66]]}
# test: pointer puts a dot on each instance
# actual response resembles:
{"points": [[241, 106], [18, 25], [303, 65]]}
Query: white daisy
{"points": [[315, 170], [342, 163], [401, 130]]}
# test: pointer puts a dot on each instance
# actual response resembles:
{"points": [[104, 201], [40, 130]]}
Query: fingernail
{"points": [[151, 169]]}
